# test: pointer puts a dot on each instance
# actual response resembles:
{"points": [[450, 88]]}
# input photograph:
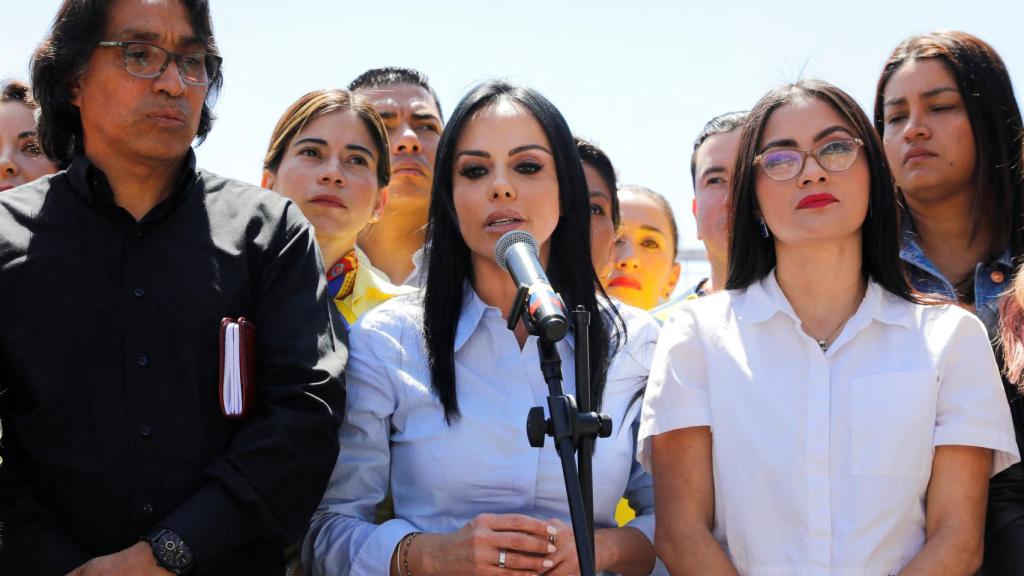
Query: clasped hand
{"points": [[530, 546]]}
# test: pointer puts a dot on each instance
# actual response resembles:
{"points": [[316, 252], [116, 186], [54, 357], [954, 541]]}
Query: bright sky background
{"points": [[639, 77]]}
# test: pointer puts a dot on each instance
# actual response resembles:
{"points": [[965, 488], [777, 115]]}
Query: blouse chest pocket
{"points": [[892, 421]]}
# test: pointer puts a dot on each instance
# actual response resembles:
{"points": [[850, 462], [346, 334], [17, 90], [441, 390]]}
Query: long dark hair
{"points": [[570, 268], [752, 257], [63, 56], [992, 109]]}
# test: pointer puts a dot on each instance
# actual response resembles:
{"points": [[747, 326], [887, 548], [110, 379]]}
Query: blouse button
{"points": [[997, 277]]}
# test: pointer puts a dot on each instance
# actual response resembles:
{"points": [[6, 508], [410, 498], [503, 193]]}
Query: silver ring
{"points": [[501, 558]]}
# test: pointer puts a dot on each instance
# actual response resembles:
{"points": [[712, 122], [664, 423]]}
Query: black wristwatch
{"points": [[170, 551]]}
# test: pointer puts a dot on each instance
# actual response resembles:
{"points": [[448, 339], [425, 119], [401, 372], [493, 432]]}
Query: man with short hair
{"points": [[711, 168], [122, 453], [412, 113]]}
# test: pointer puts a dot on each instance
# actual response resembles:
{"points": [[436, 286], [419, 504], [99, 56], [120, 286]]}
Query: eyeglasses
{"points": [[786, 164], [146, 60]]}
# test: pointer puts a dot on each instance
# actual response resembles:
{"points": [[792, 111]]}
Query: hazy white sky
{"points": [[639, 77]]}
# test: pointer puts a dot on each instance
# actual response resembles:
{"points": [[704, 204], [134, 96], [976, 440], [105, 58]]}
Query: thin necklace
{"points": [[824, 344]]}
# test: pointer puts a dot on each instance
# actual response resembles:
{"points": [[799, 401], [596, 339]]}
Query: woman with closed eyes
{"points": [[816, 417], [439, 387]]}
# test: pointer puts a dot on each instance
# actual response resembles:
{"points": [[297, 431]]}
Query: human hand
{"points": [[476, 548], [566, 562], [137, 560]]}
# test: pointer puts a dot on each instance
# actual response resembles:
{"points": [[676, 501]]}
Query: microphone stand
{"points": [[570, 425]]}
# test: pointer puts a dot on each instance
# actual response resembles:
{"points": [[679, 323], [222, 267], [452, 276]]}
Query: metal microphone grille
{"points": [[506, 242]]}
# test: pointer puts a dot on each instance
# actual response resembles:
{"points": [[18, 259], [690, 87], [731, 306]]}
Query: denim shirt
{"points": [[991, 280]]}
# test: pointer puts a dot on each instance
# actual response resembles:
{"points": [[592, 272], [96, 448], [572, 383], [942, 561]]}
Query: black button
{"points": [[139, 292], [147, 508], [142, 360], [138, 232], [144, 431]]}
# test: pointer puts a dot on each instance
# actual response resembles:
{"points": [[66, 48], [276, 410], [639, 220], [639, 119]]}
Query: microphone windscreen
{"points": [[507, 240]]}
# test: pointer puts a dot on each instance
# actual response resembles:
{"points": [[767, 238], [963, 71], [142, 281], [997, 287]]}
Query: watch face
{"points": [[173, 552]]}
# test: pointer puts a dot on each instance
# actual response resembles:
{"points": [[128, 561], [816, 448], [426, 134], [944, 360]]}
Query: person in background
{"points": [[815, 417], [329, 154], [21, 158], [119, 456], [952, 130], [711, 167], [951, 126], [412, 114], [604, 204], [644, 267], [438, 385]]}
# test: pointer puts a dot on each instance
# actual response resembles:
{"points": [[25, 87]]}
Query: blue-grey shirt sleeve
{"points": [[342, 538]]}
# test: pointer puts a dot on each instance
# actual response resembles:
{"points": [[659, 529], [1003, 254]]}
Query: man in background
{"points": [[412, 113], [711, 168]]}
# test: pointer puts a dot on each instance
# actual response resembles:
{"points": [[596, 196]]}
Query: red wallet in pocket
{"points": [[237, 367]]}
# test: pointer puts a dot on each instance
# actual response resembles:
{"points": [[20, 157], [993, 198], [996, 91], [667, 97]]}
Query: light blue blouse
{"points": [[443, 476]]}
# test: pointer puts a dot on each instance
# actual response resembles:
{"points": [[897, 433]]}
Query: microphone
{"points": [[546, 316]]}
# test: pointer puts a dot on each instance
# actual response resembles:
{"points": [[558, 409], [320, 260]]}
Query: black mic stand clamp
{"points": [[573, 427]]}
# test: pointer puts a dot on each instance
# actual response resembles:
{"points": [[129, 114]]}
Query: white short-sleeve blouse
{"points": [[442, 476], [821, 461]]}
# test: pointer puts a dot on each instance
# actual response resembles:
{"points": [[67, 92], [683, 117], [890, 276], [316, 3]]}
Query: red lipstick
{"points": [[816, 201]]}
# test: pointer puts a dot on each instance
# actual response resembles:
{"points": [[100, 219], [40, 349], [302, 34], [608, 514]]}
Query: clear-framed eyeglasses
{"points": [[787, 163], [147, 60]]}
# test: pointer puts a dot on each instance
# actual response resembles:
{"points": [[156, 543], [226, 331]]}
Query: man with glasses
{"points": [[115, 276]]}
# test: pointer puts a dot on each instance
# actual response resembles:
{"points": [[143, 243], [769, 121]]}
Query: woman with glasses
{"points": [[329, 154], [439, 387], [816, 417]]}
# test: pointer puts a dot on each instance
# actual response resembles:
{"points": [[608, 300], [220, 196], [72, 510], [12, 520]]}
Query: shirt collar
{"points": [[370, 283], [90, 183], [911, 252], [473, 311], [764, 299]]}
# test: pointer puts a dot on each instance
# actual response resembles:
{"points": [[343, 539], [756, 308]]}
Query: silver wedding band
{"points": [[501, 558]]}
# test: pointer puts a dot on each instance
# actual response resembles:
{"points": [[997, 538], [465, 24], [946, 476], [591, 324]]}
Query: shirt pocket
{"points": [[892, 423]]}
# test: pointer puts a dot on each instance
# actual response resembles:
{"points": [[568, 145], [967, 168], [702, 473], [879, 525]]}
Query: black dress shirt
{"points": [[109, 359]]}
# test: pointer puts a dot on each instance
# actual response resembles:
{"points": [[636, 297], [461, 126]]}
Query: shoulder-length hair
{"points": [[752, 257], [992, 109], [313, 105], [569, 269], [63, 57]]}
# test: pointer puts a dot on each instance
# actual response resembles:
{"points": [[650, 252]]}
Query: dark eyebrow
{"points": [[928, 94], [150, 36], [477, 153], [425, 116], [310, 140], [600, 194], [26, 134], [360, 148], [712, 170], [782, 143], [526, 147]]}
